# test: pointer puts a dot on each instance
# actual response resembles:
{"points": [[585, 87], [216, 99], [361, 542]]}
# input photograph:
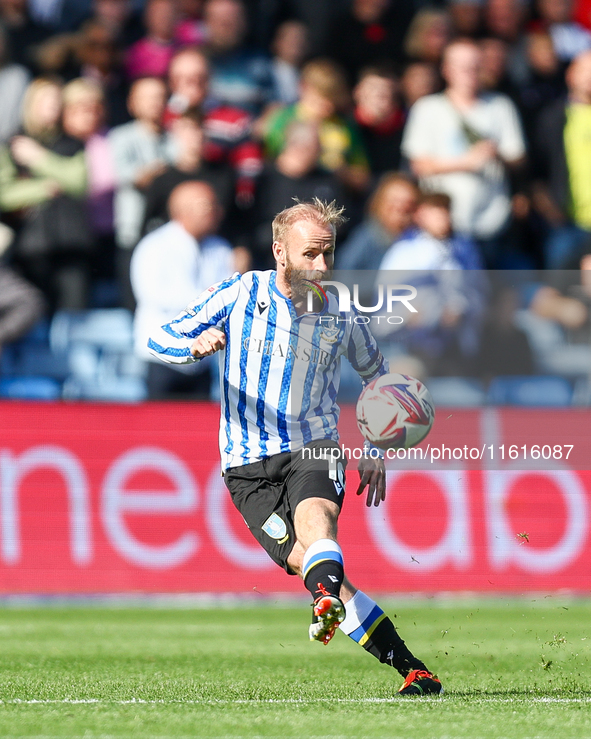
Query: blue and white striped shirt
{"points": [[280, 372]]}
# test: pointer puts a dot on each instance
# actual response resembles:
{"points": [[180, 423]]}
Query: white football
{"points": [[395, 411]]}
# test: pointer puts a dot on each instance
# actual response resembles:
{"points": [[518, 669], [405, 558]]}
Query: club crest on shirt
{"points": [[330, 332], [275, 527]]}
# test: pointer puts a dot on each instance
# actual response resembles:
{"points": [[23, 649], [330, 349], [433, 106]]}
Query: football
{"points": [[395, 411]]}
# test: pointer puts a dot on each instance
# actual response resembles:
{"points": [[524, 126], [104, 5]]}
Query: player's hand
{"points": [[208, 343], [372, 474]]}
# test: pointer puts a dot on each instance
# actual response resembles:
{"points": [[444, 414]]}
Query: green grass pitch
{"points": [[510, 668]]}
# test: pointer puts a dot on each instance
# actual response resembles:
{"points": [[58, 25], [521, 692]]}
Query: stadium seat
{"points": [[459, 392], [31, 356], [537, 391], [105, 328], [30, 388], [98, 345]]}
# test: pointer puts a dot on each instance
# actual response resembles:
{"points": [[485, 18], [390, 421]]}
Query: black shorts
{"points": [[267, 492]]}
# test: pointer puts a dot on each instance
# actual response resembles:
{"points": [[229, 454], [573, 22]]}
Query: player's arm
{"points": [[198, 331], [368, 361]]}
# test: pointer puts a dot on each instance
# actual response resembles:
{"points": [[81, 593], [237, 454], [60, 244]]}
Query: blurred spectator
{"points": [[428, 35], [151, 55], [190, 29], [493, 72], [290, 46], [100, 60], [93, 53], [323, 95], [466, 16], [380, 118], [545, 82], [171, 267], [227, 129], [240, 76], [568, 37], [556, 321], [121, 18], [370, 32], [504, 347], [432, 244], [14, 79], [462, 142], [390, 211], [42, 186], [418, 79], [187, 133], [22, 32], [505, 19], [563, 168], [451, 297], [141, 150], [84, 119], [294, 174], [21, 305]]}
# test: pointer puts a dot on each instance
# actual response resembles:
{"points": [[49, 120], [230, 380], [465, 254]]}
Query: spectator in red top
{"points": [[227, 128], [379, 117], [151, 55], [583, 13]]}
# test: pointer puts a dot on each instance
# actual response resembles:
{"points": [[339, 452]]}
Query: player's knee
{"points": [[317, 509]]}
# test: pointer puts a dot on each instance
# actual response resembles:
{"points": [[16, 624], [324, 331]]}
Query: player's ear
{"points": [[279, 252]]}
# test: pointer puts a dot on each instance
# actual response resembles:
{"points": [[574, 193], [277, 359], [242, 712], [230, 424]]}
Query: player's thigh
{"points": [[258, 491]]}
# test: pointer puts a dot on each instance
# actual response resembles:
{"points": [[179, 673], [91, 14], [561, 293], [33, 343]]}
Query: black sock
{"points": [[369, 626], [386, 645], [325, 578]]}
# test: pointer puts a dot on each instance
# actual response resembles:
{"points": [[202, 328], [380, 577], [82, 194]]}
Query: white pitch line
{"points": [[279, 701]]}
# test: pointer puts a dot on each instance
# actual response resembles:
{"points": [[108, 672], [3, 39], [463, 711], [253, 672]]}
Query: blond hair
{"points": [[31, 125], [318, 211], [81, 90], [328, 79], [414, 41]]}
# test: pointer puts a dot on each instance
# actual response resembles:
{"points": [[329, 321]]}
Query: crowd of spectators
{"points": [[456, 132]]}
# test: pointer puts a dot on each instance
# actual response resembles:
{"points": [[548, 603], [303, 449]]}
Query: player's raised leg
{"points": [[368, 625], [318, 559], [364, 621]]}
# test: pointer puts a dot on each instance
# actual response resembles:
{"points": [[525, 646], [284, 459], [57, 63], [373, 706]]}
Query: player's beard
{"points": [[299, 279]]}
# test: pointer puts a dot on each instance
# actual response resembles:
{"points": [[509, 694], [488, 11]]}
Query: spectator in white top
{"points": [[169, 268], [463, 142]]}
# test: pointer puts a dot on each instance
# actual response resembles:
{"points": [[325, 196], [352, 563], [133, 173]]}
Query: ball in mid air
{"points": [[395, 411]]}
